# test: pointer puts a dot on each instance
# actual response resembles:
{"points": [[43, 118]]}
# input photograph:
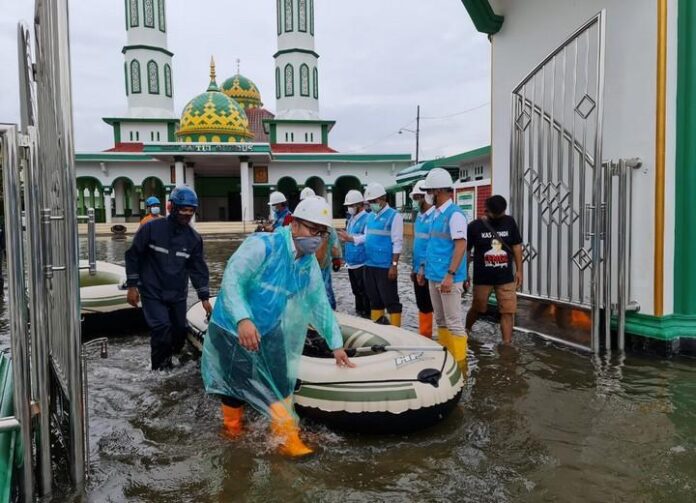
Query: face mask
{"points": [[351, 211], [307, 245], [155, 210], [430, 199], [375, 207]]}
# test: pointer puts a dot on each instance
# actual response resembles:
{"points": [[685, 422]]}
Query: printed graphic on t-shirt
{"points": [[496, 257]]}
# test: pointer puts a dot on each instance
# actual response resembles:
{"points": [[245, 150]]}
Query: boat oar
{"points": [[381, 348]]}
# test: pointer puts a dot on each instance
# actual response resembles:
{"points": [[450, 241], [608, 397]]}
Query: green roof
{"points": [[484, 18], [418, 171], [344, 157], [112, 157]]}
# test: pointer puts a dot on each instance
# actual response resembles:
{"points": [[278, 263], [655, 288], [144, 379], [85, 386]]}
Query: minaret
{"points": [[297, 119], [296, 62], [147, 62]]}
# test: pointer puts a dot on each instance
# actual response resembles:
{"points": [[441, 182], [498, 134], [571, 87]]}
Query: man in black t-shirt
{"points": [[496, 242]]}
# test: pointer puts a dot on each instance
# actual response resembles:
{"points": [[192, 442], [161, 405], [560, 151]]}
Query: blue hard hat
{"points": [[152, 201], [184, 196]]}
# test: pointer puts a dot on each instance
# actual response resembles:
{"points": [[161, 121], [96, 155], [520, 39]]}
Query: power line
{"points": [[456, 113]]}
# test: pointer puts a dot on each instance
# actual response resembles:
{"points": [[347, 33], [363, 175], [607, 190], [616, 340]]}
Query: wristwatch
{"points": [[395, 264], [451, 273]]}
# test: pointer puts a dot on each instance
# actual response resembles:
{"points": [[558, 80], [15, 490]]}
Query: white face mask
{"points": [[430, 199], [351, 211], [155, 210]]}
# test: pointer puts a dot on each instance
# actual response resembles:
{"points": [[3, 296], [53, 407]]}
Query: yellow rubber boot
{"points": [[425, 324], [285, 429], [232, 421], [395, 319], [458, 346], [376, 314], [443, 336]]}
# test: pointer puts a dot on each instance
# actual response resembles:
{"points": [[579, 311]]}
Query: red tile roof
{"points": [[305, 148], [126, 147], [256, 117]]}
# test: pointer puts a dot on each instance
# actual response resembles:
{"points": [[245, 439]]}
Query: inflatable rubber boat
{"points": [[403, 381], [103, 292]]}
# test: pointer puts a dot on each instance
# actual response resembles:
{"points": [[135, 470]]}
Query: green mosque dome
{"points": [[243, 91], [213, 117]]}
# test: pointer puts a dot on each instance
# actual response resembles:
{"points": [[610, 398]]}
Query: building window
{"points": [[168, 80], [278, 16], [135, 76], [316, 84], [311, 137], [149, 13], [152, 77], [131, 135], [158, 136], [137, 136], [287, 137], [125, 73], [152, 136], [302, 15], [277, 83], [311, 17], [162, 16], [292, 137], [304, 80], [134, 19], [288, 15], [306, 138], [289, 80]]}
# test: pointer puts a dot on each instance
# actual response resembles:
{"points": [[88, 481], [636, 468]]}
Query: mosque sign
{"points": [[205, 147], [208, 148]]}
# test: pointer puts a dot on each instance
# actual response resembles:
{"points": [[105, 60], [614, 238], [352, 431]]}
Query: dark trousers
{"points": [[382, 292], [357, 284], [425, 305], [167, 322]]}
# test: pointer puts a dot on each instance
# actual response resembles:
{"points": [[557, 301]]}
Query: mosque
{"points": [[225, 144]]}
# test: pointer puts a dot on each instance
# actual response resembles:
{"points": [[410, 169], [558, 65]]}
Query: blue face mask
{"points": [[307, 245], [155, 210]]}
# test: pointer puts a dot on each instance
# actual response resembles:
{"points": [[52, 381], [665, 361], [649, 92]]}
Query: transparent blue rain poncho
{"points": [[281, 295]]}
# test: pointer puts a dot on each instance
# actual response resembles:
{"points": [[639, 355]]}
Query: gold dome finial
{"points": [[212, 68], [239, 61]]}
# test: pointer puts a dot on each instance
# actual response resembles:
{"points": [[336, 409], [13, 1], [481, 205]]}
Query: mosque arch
{"points": [[149, 13], [162, 16], [277, 78], [135, 76], [304, 80], [90, 194], [288, 186], [289, 80], [341, 187], [317, 185], [152, 77], [302, 15], [316, 83], [125, 197], [133, 14], [168, 80], [289, 15], [153, 186]]}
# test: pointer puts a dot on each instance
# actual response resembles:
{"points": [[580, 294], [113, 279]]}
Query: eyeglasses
{"points": [[315, 231]]}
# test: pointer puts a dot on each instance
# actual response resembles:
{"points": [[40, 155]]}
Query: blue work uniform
{"points": [[281, 295], [441, 248], [355, 257], [382, 292], [160, 261], [421, 236]]}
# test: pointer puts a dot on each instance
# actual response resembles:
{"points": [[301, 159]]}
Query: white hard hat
{"points": [[438, 178], [307, 192], [373, 191], [353, 197], [315, 210], [418, 189], [277, 198]]}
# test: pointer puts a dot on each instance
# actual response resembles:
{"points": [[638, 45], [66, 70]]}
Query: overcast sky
{"points": [[379, 59]]}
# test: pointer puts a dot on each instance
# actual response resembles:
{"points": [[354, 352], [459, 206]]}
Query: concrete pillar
{"points": [[120, 196], [135, 201], [329, 198], [107, 205], [178, 171], [247, 194], [167, 194]]}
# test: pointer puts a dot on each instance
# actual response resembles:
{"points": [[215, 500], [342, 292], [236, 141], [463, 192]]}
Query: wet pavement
{"points": [[536, 423]]}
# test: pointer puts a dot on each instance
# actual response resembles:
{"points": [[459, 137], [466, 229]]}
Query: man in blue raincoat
{"points": [[271, 291], [165, 253]]}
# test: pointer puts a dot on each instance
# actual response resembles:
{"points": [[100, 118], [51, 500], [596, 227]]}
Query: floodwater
{"points": [[536, 423]]}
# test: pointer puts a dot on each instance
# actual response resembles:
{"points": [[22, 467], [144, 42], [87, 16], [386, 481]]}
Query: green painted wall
{"points": [[685, 225]]}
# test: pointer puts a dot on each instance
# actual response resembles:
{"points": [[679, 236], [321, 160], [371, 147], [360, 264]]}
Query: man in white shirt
{"points": [[383, 239], [445, 262]]}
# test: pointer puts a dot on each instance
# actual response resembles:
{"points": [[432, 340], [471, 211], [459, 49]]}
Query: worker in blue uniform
{"points": [[421, 235], [282, 216], [165, 253]]}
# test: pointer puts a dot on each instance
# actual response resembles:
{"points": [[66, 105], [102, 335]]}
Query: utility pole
{"points": [[418, 134]]}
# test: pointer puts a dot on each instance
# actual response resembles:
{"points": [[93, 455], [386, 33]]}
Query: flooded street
{"points": [[536, 423]]}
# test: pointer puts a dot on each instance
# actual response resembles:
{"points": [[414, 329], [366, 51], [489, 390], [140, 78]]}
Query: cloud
{"points": [[379, 60]]}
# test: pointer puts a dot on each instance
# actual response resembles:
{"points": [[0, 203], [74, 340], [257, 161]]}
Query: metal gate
{"points": [[560, 190]]}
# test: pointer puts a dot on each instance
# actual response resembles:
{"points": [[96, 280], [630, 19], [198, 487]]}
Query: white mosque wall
{"points": [[143, 132], [297, 101], [534, 28], [298, 133], [365, 172], [145, 104]]}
